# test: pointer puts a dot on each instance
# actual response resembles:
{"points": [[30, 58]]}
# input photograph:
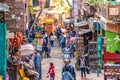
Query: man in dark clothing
{"points": [[58, 32], [37, 63]]}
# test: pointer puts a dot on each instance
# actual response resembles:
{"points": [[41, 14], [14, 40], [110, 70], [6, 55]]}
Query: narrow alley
{"points": [[57, 59]]}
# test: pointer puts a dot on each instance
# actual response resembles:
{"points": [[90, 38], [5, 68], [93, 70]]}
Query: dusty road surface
{"points": [[56, 58]]}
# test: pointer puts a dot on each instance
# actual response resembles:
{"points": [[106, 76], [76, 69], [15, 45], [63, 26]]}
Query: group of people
{"points": [[48, 42], [32, 66], [68, 50], [67, 46], [68, 70]]}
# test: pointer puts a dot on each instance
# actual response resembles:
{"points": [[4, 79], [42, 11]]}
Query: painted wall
{"points": [[112, 45]]}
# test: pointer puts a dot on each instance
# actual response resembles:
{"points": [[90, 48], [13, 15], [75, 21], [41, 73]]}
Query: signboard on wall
{"points": [[113, 27], [114, 11]]}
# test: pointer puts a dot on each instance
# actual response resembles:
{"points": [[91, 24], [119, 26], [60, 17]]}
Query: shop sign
{"points": [[113, 11]]}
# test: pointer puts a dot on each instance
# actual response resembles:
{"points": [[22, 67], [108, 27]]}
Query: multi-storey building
{"points": [[17, 17]]}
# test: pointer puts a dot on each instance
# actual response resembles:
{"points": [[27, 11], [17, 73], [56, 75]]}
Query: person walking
{"points": [[45, 44], [48, 51], [51, 37], [67, 51], [45, 37], [58, 33], [72, 48], [70, 67], [82, 63], [37, 63], [51, 71], [63, 42], [67, 75]]}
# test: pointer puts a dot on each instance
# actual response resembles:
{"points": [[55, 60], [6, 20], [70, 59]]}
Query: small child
{"points": [[51, 71], [82, 63]]}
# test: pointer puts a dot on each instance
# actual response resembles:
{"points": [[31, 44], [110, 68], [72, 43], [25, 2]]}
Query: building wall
{"points": [[18, 8]]}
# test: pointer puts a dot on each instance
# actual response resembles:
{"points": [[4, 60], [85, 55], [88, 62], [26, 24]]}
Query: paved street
{"points": [[58, 62]]}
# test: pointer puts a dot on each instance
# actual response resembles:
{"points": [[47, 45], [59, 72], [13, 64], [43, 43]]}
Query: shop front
{"points": [[111, 71], [111, 54], [113, 37]]}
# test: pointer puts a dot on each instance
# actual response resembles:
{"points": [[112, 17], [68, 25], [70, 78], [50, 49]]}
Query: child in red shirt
{"points": [[51, 71]]}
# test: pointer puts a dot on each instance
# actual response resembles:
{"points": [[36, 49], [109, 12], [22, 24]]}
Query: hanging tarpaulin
{"points": [[31, 7], [3, 50], [99, 47], [100, 40]]}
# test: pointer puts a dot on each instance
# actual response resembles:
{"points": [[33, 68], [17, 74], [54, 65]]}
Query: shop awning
{"points": [[4, 7], [83, 23]]}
